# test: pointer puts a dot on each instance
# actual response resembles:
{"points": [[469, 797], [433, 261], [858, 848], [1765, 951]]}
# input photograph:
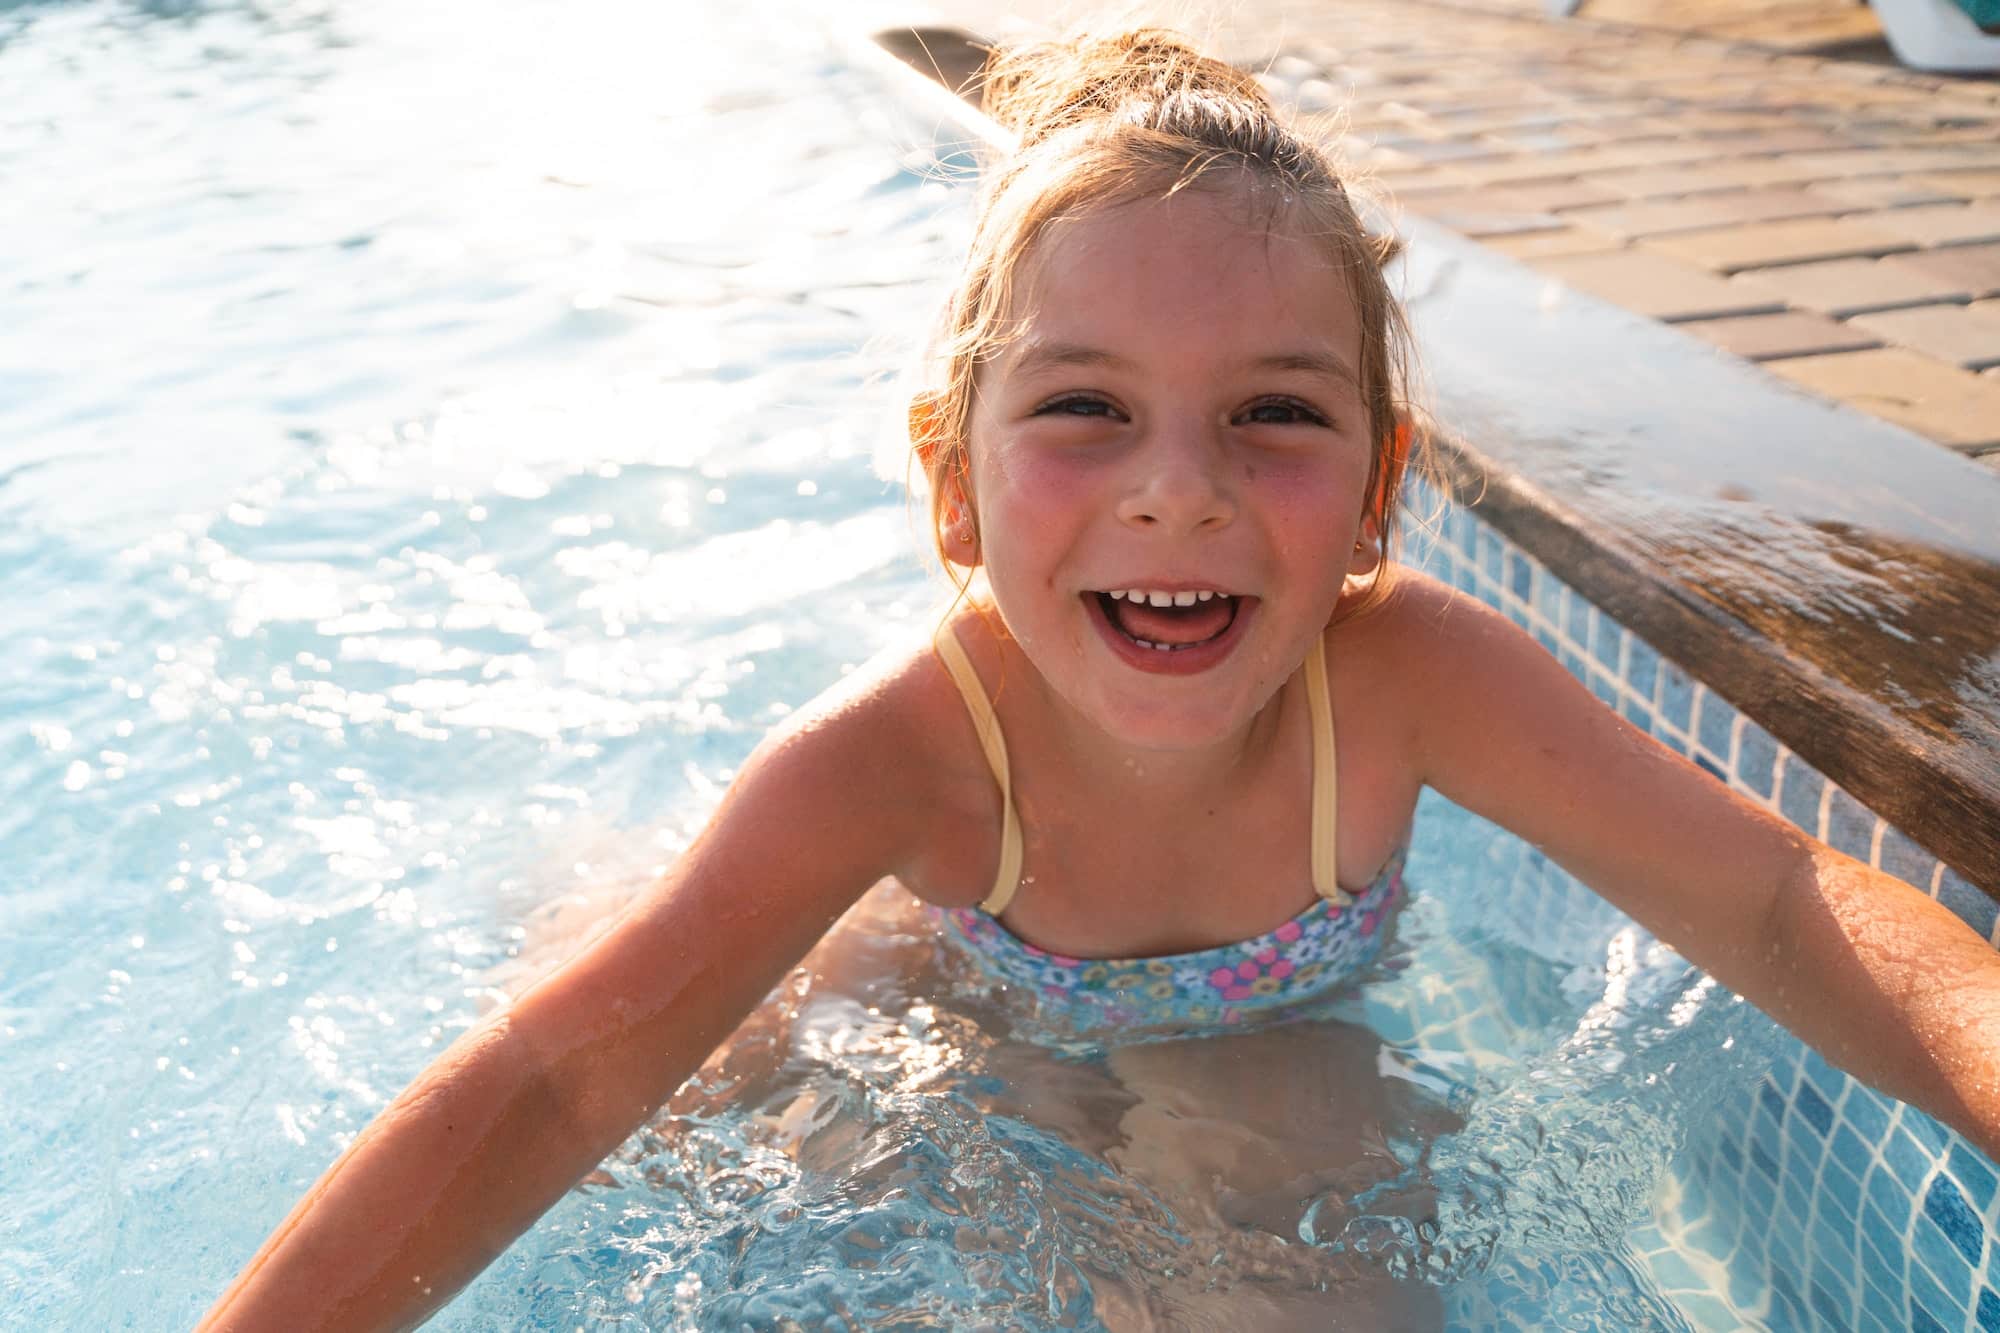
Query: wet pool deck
{"points": [[1758, 172]]}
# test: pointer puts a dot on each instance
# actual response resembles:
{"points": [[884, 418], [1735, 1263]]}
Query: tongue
{"points": [[1163, 624]]}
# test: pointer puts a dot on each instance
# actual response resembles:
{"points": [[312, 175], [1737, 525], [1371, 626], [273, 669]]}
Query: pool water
{"points": [[434, 445]]}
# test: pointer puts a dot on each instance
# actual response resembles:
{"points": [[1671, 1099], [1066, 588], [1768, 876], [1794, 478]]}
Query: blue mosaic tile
{"points": [[1974, 1174], [1712, 727], [1770, 1100], [1840, 1185], [1573, 662], [1944, 1205], [1921, 1321], [1799, 801], [1676, 697], [1813, 1107], [1576, 620], [1838, 1311], [1849, 826], [1802, 1158], [1889, 1200], [1937, 1256], [1848, 1148], [1550, 644], [1988, 1311], [1605, 689], [1639, 714], [1905, 860], [1705, 1311], [1906, 1159], [1864, 1110], [1713, 769], [1605, 634], [1928, 1131], [1731, 1154], [1757, 760], [1642, 667], [1878, 1302], [1883, 1244], [1673, 1272], [1928, 1298], [1971, 906], [1548, 595], [1763, 1162]]}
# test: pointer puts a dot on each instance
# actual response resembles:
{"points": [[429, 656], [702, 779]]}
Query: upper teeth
{"points": [[1153, 597]]}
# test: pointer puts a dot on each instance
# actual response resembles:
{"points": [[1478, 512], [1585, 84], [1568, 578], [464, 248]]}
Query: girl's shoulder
{"points": [[1417, 629], [898, 725]]}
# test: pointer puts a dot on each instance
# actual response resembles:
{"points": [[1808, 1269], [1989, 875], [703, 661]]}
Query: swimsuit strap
{"points": [[1325, 806], [995, 746], [1007, 878]]}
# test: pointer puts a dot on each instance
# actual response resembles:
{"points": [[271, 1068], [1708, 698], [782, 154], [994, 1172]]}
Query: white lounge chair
{"points": [[1937, 35]]}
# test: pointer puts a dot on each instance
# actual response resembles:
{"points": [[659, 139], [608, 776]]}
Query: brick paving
{"points": [[1759, 172]]}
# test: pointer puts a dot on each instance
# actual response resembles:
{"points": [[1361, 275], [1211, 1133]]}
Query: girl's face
{"points": [[1179, 417]]}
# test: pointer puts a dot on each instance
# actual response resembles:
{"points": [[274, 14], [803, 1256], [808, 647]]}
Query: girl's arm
{"points": [[517, 1110], [1881, 979]]}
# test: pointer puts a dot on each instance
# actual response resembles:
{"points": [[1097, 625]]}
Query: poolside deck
{"points": [[1759, 173]]}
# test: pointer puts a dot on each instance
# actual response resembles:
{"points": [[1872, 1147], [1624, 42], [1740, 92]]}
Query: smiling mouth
{"points": [[1168, 622]]}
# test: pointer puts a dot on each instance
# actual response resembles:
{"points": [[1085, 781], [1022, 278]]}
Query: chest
{"points": [[1108, 873]]}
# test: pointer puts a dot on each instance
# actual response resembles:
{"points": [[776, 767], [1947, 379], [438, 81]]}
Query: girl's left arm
{"points": [[1880, 978]]}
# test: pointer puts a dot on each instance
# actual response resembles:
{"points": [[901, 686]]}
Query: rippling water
{"points": [[435, 441]]}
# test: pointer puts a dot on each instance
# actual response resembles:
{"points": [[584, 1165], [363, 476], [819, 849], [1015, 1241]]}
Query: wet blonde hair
{"points": [[1108, 120]]}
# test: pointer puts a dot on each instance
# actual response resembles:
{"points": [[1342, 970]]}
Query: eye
{"points": [[1281, 412], [1075, 405]]}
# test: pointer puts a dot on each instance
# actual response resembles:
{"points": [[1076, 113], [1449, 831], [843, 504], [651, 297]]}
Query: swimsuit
{"points": [[1301, 960]]}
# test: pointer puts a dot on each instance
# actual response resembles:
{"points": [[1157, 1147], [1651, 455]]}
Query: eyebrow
{"points": [[1040, 355]]}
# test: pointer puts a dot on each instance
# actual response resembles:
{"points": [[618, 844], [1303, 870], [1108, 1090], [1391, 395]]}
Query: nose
{"points": [[1180, 483]]}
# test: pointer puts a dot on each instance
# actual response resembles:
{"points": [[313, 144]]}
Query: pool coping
{"points": [[1845, 597]]}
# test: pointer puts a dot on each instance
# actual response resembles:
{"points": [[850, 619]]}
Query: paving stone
{"points": [[1942, 402], [1843, 287], [1698, 212], [1571, 240], [1942, 224], [1656, 285], [1976, 268], [1659, 182], [1875, 192], [1765, 244], [1969, 184], [1966, 335], [1773, 337]]}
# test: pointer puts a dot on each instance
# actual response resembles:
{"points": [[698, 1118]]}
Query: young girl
{"points": [[1159, 767]]}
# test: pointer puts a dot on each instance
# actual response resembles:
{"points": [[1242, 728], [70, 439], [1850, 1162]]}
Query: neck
{"points": [[1175, 777]]}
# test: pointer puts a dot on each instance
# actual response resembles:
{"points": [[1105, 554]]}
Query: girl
{"points": [[1166, 434]]}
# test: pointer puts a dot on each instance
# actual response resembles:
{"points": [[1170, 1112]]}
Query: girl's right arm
{"points": [[522, 1106]]}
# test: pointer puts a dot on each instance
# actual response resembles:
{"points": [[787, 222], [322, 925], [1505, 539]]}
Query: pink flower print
{"points": [[1239, 982], [1289, 931], [1370, 921]]}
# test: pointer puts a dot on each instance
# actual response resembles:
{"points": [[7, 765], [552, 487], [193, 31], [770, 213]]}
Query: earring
{"points": [[962, 533]]}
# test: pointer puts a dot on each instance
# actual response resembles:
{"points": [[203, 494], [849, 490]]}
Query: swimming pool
{"points": [[433, 448]]}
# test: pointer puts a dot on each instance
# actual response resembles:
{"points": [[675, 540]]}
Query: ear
{"points": [[961, 532], [1367, 553]]}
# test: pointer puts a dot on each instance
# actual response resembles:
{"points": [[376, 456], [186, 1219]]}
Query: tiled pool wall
{"points": [[1824, 1204]]}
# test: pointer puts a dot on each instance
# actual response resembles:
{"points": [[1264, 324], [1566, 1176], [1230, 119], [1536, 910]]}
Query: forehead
{"points": [[1223, 269]]}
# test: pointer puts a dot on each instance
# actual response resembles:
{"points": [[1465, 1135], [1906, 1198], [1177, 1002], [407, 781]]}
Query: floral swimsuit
{"points": [[1299, 961]]}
